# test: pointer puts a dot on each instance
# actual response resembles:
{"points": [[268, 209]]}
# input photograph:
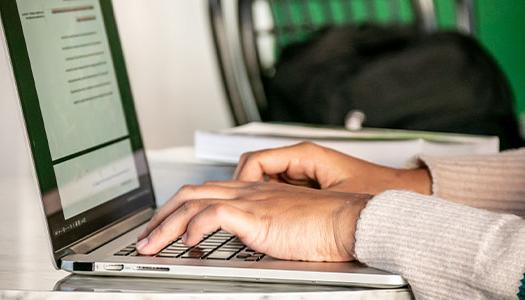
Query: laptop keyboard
{"points": [[218, 245]]}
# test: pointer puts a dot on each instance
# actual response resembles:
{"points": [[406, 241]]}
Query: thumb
{"points": [[297, 162]]}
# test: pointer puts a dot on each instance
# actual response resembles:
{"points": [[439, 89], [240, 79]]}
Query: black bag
{"points": [[399, 78]]}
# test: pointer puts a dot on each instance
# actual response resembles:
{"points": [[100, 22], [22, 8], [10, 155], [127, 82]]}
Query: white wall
{"points": [[172, 65], [173, 71]]}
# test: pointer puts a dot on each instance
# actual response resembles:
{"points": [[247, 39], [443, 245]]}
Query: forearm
{"points": [[445, 250], [493, 182]]}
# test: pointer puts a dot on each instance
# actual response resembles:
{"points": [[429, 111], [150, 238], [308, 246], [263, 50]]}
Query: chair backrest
{"points": [[249, 47], [224, 21]]}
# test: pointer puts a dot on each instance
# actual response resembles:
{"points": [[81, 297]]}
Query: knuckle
{"points": [[311, 147], [186, 190], [162, 229], [190, 205], [153, 220], [307, 144], [156, 219], [195, 226], [246, 155], [255, 157], [220, 210]]}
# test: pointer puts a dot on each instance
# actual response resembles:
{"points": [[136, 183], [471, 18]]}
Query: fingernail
{"points": [[184, 237], [141, 244]]}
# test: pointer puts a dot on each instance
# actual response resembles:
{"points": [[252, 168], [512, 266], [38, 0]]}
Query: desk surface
{"points": [[26, 270]]}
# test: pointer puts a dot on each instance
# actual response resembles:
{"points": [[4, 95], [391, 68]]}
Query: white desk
{"points": [[26, 271]]}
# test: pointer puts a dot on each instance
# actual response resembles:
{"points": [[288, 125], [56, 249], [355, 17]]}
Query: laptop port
{"points": [[152, 268], [114, 267]]}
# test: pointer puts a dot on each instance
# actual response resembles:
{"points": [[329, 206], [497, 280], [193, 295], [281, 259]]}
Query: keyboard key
{"points": [[210, 243], [224, 255], [223, 235], [243, 255], [231, 248], [207, 247], [176, 249], [198, 247], [170, 255], [194, 253], [213, 240], [236, 243], [177, 252], [252, 258]]}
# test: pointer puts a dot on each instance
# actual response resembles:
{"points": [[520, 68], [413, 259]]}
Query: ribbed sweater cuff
{"points": [[494, 182], [444, 250]]}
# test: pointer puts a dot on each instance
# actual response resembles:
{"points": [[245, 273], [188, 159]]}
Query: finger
{"points": [[295, 161], [175, 225], [276, 179], [229, 184], [169, 230], [222, 216], [240, 165], [188, 192]]}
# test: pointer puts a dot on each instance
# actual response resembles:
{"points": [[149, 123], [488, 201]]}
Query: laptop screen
{"points": [[79, 114]]}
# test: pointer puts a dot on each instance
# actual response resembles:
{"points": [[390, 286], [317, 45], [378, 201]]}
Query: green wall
{"points": [[502, 31]]}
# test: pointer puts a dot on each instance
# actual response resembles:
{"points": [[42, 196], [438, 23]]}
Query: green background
{"points": [[502, 31], [500, 27]]}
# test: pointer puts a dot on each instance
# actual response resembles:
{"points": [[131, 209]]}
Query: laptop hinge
{"points": [[111, 232]]}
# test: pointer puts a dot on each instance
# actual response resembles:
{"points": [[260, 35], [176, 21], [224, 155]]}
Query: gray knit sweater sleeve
{"points": [[449, 250], [493, 182], [443, 249]]}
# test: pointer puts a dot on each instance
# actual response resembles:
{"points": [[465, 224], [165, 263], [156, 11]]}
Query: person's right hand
{"points": [[270, 218], [308, 164]]}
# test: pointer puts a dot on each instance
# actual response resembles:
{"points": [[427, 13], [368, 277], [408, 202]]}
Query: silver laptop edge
{"points": [[101, 262], [29, 154]]}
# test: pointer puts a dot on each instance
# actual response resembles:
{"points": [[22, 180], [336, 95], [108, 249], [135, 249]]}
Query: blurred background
{"points": [[406, 64], [178, 77]]}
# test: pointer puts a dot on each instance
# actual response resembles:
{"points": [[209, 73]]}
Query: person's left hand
{"points": [[280, 220]]}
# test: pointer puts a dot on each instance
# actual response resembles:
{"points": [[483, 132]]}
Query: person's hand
{"points": [[280, 220], [311, 165]]}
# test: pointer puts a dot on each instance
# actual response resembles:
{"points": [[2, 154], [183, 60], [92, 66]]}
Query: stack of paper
{"points": [[395, 148]]}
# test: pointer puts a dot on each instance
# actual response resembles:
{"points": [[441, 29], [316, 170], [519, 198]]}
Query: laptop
{"points": [[90, 164]]}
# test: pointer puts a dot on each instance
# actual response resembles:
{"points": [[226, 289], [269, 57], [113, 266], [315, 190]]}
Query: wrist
{"points": [[419, 181], [347, 225]]}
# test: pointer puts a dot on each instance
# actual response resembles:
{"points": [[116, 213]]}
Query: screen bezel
{"points": [[112, 211]]}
